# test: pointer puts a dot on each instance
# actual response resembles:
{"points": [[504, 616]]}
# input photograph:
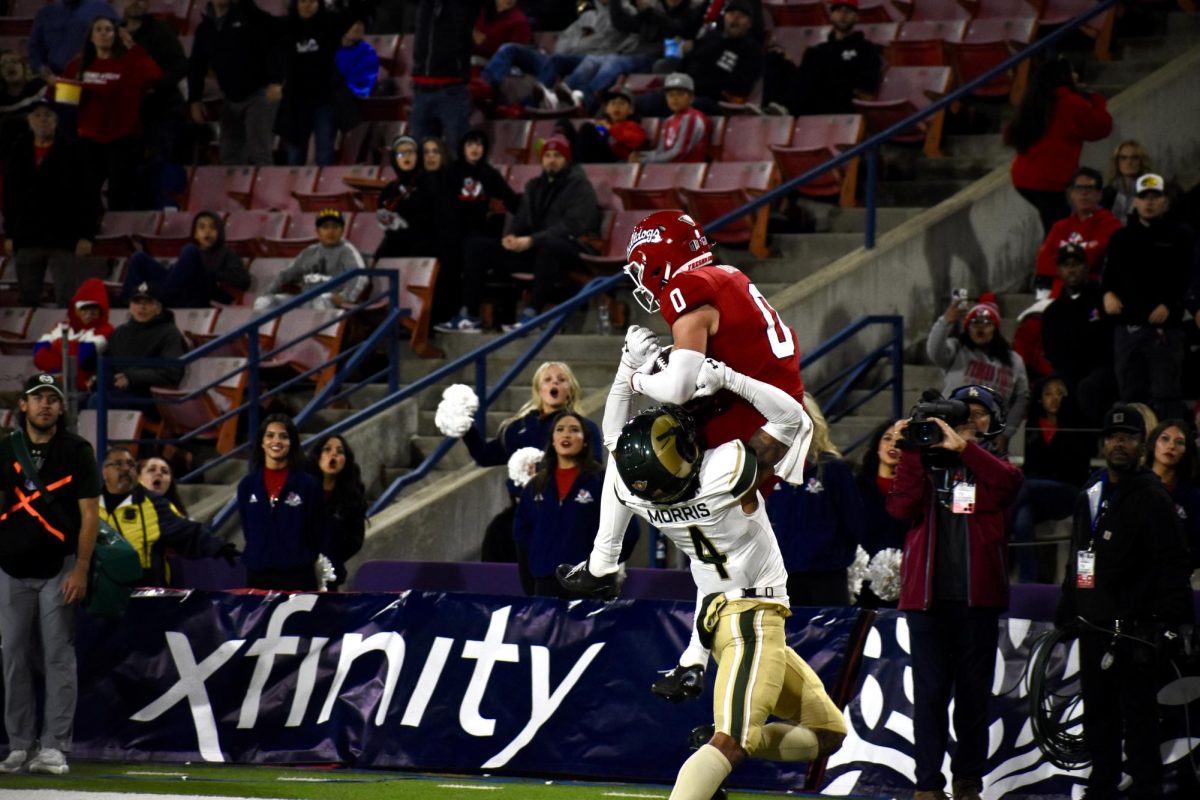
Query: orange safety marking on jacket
{"points": [[25, 501]]}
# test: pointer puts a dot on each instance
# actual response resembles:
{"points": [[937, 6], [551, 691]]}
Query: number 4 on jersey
{"points": [[707, 553]]}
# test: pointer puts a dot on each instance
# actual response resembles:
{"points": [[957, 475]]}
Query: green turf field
{"points": [[121, 780]]}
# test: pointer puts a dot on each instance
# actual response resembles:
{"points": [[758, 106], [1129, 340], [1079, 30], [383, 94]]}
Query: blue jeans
{"points": [[546, 68], [445, 112], [596, 73], [1038, 501], [320, 122]]}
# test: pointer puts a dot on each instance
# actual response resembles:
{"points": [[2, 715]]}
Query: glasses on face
{"points": [[982, 322], [127, 462]]}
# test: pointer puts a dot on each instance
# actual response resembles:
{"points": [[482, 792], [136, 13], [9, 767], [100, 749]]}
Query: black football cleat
{"points": [[576, 579]]}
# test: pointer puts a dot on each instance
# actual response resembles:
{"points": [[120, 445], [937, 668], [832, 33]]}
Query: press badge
{"points": [[962, 499], [1085, 570]]}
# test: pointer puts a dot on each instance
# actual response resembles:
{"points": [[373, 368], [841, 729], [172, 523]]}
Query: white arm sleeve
{"points": [[617, 407], [676, 383], [696, 654], [614, 519], [784, 413]]}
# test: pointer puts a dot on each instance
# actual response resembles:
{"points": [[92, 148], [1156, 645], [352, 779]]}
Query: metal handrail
{"points": [[871, 146]]}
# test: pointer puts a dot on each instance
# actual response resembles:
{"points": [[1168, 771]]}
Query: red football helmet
{"points": [[663, 245]]}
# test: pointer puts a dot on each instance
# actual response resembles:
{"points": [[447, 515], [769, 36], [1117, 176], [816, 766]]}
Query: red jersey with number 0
{"points": [[750, 338]]}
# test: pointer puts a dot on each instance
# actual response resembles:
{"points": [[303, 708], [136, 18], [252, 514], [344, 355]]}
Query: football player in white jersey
{"points": [[708, 504]]}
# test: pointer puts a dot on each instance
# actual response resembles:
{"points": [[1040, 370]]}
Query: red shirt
{"points": [[682, 125], [110, 108], [39, 152], [274, 479], [745, 340], [1047, 166], [511, 26], [624, 137], [1092, 234], [565, 478]]}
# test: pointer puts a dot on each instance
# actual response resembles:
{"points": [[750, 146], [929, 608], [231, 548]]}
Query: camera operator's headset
{"points": [[990, 399]]}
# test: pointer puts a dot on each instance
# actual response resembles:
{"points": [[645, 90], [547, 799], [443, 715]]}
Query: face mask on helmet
{"points": [[662, 245], [658, 457]]}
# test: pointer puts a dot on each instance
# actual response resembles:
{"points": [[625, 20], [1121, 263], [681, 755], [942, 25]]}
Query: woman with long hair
{"points": [[345, 501], [553, 388], [154, 474], [978, 353], [116, 75], [1130, 161], [819, 525], [1171, 454], [1055, 117], [876, 474], [559, 509], [282, 508]]}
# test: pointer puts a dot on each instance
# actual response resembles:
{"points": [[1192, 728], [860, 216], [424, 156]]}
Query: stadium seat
{"points": [[1006, 9], [300, 233], [14, 321], [922, 10], [174, 231], [14, 371], [304, 347], [352, 144], [183, 413], [606, 176], [923, 43], [383, 108], [379, 142], [118, 316], [794, 41], [652, 126], [196, 321], [230, 319], [263, 271], [815, 140], [510, 140], [904, 92], [244, 230], [124, 426], [880, 34], [874, 12], [40, 322], [221, 189], [332, 191], [119, 230], [658, 185], [988, 43], [274, 187], [364, 232], [727, 186], [521, 174], [796, 12], [172, 12], [638, 83], [1099, 27], [387, 47], [613, 256], [750, 138], [418, 277]]}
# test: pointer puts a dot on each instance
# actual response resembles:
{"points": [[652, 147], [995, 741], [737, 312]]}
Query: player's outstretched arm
{"points": [[676, 383]]}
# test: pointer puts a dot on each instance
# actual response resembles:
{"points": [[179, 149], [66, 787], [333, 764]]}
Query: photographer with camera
{"points": [[955, 495], [1126, 595]]}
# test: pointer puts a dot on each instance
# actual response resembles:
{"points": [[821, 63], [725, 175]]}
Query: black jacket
{"points": [[725, 68], [1067, 456], [242, 48], [48, 206], [1148, 265], [158, 338], [656, 23], [1142, 561], [1076, 336], [473, 187], [832, 71], [563, 206], [442, 42], [162, 43]]}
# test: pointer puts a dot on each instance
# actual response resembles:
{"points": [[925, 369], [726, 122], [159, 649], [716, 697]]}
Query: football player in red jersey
{"points": [[714, 311]]}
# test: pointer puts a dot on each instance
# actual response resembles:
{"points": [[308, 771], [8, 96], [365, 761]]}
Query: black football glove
{"points": [[229, 552], [680, 684], [578, 580]]}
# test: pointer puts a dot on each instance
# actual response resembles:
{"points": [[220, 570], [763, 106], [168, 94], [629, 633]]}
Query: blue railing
{"points": [[870, 147]]}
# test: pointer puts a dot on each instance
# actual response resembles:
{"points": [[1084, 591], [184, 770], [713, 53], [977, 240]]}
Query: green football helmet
{"points": [[658, 456]]}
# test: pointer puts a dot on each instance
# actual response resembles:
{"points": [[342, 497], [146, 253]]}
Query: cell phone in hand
{"points": [[672, 48]]}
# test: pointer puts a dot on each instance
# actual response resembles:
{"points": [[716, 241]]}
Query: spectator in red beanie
{"points": [[87, 330], [1089, 226]]}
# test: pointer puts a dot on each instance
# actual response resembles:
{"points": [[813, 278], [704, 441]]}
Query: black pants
{"points": [[1149, 367], [1051, 206], [953, 655], [1120, 702], [547, 260], [117, 162]]}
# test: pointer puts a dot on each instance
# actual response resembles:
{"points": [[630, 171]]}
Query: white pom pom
{"points": [[456, 413], [884, 574], [856, 572], [325, 572], [523, 464]]}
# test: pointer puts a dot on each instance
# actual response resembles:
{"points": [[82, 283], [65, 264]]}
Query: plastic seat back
{"points": [[120, 229], [605, 177], [750, 138], [274, 187], [221, 188]]}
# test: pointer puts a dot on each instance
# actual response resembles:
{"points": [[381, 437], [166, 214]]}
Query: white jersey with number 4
{"points": [[729, 549]]}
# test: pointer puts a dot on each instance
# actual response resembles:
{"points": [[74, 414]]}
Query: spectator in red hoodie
{"points": [[116, 75], [499, 22], [615, 136], [1055, 117], [87, 330], [1089, 226]]}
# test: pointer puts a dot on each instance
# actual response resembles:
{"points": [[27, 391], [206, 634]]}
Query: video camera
{"points": [[922, 432]]}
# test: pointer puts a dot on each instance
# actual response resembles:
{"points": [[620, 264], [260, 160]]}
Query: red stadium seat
{"points": [[263, 271], [174, 231], [923, 43], [906, 90], [221, 188], [364, 232], [613, 257], [182, 416], [387, 47], [658, 186], [274, 187], [1099, 27], [988, 43], [872, 12], [921, 10], [196, 321], [14, 321], [794, 41], [637, 83], [817, 139], [521, 174], [727, 186], [880, 34], [300, 233], [230, 319], [652, 126], [418, 277], [510, 140], [312, 350], [796, 12], [1006, 9], [123, 426], [332, 191], [750, 138], [119, 230], [604, 177], [245, 229]]}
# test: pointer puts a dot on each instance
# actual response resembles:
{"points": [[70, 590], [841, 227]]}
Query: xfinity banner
{"points": [[454, 682]]}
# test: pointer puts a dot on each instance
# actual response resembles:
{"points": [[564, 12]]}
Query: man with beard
{"points": [[1126, 591], [836, 71], [47, 533]]}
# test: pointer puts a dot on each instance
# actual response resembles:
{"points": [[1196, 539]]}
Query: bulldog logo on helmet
{"points": [[642, 236]]}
